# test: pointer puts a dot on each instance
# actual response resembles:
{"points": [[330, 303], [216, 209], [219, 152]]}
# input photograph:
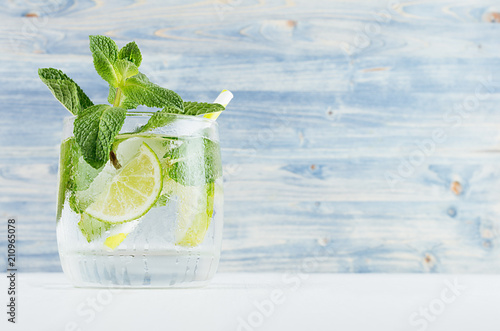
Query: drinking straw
{"points": [[223, 99]]}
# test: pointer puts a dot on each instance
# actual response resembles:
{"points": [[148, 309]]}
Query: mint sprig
{"points": [[96, 126]]}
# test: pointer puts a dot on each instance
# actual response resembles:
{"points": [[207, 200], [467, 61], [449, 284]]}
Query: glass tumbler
{"points": [[152, 216]]}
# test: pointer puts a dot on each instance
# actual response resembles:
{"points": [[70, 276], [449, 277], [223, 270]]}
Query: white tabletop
{"points": [[246, 302]]}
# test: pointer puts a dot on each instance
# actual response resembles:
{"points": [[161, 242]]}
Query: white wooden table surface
{"points": [[261, 301]]}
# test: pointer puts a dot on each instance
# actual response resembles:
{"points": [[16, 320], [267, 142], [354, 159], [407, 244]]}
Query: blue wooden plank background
{"points": [[363, 134]]}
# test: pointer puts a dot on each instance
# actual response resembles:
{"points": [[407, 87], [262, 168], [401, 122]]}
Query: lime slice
{"points": [[196, 208], [132, 191]]}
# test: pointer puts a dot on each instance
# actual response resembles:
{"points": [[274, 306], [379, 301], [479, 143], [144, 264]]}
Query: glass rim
{"points": [[150, 113]]}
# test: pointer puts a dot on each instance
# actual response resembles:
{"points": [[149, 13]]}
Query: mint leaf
{"points": [[162, 200], [199, 108], [69, 157], [159, 118], [111, 94], [131, 53], [139, 89], [65, 90], [91, 227], [125, 69], [105, 53], [185, 166], [165, 116], [95, 129], [75, 175]]}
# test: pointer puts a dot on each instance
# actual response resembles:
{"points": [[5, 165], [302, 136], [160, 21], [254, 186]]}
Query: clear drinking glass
{"points": [[151, 217]]}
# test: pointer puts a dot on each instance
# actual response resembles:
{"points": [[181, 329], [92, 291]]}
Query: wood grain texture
{"points": [[364, 135]]}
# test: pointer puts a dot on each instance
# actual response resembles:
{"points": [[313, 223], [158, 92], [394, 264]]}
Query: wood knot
{"points": [[31, 14], [456, 187], [375, 69], [291, 24], [323, 241], [487, 244], [487, 234], [492, 17], [313, 167], [429, 261]]}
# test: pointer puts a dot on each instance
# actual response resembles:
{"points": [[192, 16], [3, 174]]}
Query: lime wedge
{"points": [[196, 208], [192, 233], [132, 191]]}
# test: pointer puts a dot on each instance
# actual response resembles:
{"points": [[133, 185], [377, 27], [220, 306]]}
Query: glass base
{"points": [[135, 269]]}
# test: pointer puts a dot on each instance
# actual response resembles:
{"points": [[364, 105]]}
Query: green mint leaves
{"points": [[95, 129], [65, 90], [128, 87], [96, 126]]}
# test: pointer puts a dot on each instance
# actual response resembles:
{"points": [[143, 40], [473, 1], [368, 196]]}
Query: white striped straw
{"points": [[223, 99]]}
